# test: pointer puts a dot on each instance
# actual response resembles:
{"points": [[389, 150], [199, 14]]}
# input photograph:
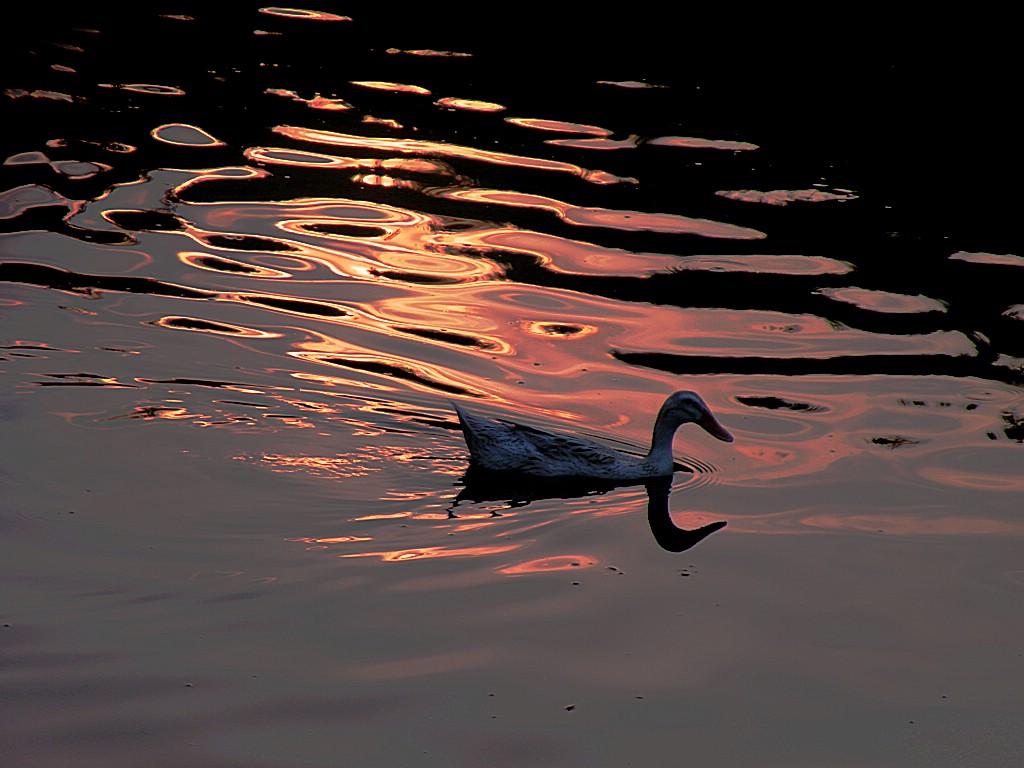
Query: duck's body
{"points": [[504, 446]]}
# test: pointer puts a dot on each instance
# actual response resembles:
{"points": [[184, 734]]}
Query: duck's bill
{"points": [[713, 428]]}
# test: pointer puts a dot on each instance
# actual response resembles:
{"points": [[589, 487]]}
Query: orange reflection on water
{"points": [[321, 543], [387, 122], [435, 148], [381, 85], [546, 564], [208, 326], [317, 102], [150, 88], [560, 254], [558, 126], [341, 382], [430, 52], [372, 242], [469, 105], [604, 144], [212, 263], [303, 158], [420, 376], [302, 13], [633, 221], [343, 466], [425, 553]]}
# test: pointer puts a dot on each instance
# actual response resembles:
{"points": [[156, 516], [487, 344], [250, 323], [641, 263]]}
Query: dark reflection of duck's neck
{"points": [[519, 491], [666, 533]]}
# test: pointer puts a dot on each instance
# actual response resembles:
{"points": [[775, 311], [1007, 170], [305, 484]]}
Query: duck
{"points": [[508, 447]]}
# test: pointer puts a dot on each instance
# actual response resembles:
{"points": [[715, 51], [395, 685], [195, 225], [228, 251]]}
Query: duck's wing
{"points": [[505, 446], [555, 454], [494, 445]]}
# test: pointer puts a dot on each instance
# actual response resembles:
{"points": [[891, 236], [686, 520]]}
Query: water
{"points": [[248, 260]]}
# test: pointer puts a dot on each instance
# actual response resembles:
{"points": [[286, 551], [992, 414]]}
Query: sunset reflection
{"points": [[431, 553], [546, 564], [256, 262], [433, 148]]}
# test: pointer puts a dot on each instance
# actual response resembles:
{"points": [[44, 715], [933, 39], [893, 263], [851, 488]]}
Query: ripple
{"points": [[774, 403], [633, 221], [184, 135], [629, 84], [469, 105], [883, 301], [600, 144], [301, 13], [222, 264], [382, 85], [549, 564], [149, 88], [209, 326], [559, 330], [316, 102], [430, 53], [998, 468], [690, 142], [15, 202], [418, 375], [786, 196], [1000, 259], [558, 126], [293, 306], [436, 148], [768, 264]]}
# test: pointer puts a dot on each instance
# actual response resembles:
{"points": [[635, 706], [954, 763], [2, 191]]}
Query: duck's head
{"points": [[684, 407]]}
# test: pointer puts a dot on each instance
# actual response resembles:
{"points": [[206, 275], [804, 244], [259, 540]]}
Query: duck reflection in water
{"points": [[514, 462]]}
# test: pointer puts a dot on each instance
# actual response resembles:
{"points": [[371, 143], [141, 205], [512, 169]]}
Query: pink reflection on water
{"points": [[634, 221], [422, 553], [1001, 259], [883, 301], [630, 142], [430, 53], [435, 148], [786, 196], [558, 126], [766, 264], [694, 143], [547, 564]]}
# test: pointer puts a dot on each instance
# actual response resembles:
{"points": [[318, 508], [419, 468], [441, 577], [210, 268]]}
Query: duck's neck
{"points": [[660, 456]]}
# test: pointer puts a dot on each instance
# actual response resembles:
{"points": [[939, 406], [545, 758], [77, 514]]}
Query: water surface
{"points": [[248, 260]]}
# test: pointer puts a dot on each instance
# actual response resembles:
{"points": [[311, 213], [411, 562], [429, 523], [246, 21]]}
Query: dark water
{"points": [[248, 258]]}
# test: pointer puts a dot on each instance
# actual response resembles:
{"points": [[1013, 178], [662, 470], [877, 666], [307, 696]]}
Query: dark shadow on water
{"points": [[519, 490], [668, 535]]}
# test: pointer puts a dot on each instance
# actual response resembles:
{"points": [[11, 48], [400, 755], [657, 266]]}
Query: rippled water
{"points": [[248, 260]]}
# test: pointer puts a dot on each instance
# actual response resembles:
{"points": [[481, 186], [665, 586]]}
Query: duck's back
{"points": [[502, 446]]}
